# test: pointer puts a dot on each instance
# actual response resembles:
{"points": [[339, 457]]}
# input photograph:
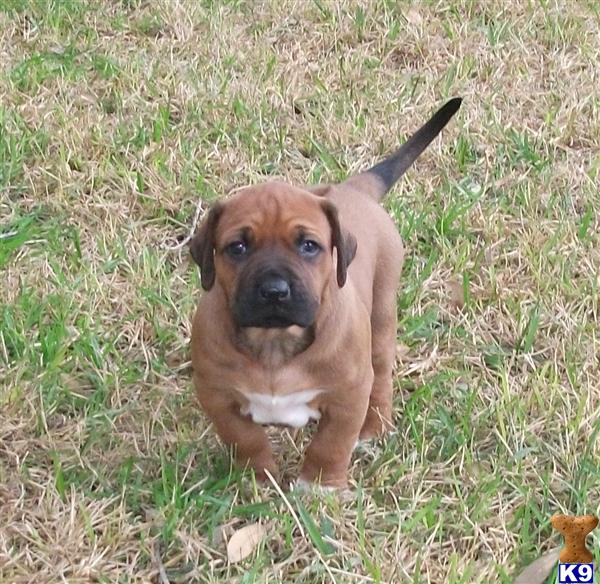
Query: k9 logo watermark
{"points": [[575, 573]]}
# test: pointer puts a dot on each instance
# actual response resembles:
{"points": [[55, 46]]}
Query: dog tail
{"points": [[379, 179]]}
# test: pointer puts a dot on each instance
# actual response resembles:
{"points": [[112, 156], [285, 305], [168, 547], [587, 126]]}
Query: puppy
{"points": [[298, 318]]}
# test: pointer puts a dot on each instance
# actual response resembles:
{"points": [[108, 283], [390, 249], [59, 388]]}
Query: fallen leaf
{"points": [[244, 541], [538, 571], [413, 16], [456, 294], [222, 533]]}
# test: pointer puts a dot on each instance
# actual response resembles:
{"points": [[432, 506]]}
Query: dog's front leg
{"points": [[250, 441], [328, 456]]}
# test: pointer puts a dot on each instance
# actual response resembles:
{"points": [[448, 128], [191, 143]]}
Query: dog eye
{"points": [[236, 249], [309, 247]]}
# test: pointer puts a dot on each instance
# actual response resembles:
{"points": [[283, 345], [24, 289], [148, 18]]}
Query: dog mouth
{"points": [[276, 321], [274, 318]]}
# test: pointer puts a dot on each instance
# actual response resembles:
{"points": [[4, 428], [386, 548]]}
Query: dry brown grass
{"points": [[116, 117]]}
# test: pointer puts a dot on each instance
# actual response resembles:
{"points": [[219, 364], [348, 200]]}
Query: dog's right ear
{"points": [[342, 240], [202, 246]]}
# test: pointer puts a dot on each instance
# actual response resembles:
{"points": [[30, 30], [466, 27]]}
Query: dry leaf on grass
{"points": [[456, 294], [413, 16], [222, 534], [538, 571], [244, 541]]}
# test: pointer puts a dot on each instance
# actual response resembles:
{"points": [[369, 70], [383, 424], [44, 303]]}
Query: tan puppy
{"points": [[298, 321]]}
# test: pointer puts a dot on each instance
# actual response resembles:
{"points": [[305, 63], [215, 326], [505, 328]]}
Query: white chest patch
{"points": [[289, 410]]}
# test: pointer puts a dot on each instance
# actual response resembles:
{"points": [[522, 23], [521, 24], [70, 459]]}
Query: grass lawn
{"points": [[118, 118]]}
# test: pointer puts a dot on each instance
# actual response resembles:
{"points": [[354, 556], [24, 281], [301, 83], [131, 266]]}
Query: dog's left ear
{"points": [[202, 246], [342, 240]]}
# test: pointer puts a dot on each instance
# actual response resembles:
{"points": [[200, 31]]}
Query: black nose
{"points": [[275, 290]]}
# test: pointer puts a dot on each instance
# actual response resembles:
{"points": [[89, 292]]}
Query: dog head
{"points": [[270, 248]]}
